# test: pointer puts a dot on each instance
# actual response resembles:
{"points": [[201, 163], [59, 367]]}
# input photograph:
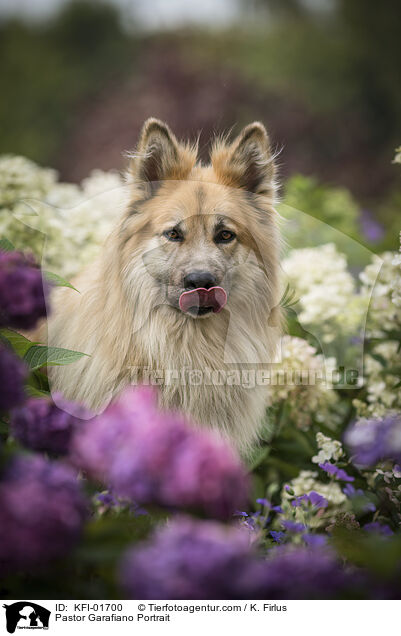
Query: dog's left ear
{"points": [[248, 162], [160, 156]]}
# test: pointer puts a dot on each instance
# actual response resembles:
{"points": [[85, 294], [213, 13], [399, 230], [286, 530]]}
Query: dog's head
{"points": [[206, 235]]}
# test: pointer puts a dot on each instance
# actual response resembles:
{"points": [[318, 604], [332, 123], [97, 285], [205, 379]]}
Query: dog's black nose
{"points": [[199, 279]]}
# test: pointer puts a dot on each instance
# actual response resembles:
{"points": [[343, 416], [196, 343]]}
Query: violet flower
{"points": [[375, 440], [189, 559], [23, 291], [156, 457], [42, 426], [42, 513], [338, 473], [12, 375]]}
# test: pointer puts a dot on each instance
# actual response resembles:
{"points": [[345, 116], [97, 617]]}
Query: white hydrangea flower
{"points": [[396, 288], [21, 179], [303, 380], [304, 483], [384, 316], [326, 289], [63, 224], [328, 449], [397, 156], [307, 480], [383, 293]]}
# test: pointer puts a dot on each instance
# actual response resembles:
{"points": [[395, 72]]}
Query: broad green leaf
{"points": [[39, 356], [257, 457], [379, 554], [6, 245], [39, 381], [34, 392], [4, 426], [58, 281], [18, 342]]}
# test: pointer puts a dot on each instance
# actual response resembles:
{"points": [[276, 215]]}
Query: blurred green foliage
{"points": [[329, 80], [48, 69]]}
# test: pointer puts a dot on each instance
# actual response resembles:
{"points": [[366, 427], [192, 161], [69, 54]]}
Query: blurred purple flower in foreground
{"points": [[23, 291], [157, 457], [190, 559], [42, 512], [375, 440], [12, 376], [42, 426]]}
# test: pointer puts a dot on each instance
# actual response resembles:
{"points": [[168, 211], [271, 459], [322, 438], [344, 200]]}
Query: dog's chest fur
{"points": [[207, 369]]}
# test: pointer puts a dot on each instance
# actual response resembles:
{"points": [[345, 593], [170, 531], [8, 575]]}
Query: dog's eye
{"points": [[173, 235], [225, 236]]}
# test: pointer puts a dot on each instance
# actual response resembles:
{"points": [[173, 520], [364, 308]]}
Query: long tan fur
{"points": [[126, 316]]}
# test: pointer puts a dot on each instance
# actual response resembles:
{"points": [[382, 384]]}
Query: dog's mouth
{"points": [[201, 301]]}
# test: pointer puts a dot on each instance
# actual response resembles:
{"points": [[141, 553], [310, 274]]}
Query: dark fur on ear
{"points": [[248, 162], [160, 156]]}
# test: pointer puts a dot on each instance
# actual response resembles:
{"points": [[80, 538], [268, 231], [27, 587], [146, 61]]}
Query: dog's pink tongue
{"points": [[214, 297]]}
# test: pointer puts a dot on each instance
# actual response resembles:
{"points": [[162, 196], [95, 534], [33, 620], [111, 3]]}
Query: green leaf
{"points": [[58, 281], [34, 392], [257, 457], [106, 538], [381, 555], [6, 245], [39, 356], [17, 341], [39, 381]]}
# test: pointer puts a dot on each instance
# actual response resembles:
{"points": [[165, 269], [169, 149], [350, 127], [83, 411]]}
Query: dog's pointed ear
{"points": [[160, 156], [248, 162]]}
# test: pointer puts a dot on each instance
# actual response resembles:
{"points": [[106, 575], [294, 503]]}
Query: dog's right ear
{"points": [[159, 156]]}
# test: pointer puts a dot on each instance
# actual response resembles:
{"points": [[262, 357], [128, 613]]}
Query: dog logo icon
{"points": [[26, 615]]}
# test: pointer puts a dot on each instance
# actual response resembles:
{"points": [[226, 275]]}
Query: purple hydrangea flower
{"points": [[42, 513], [42, 426], [156, 457], [23, 291], [339, 473], [375, 440], [189, 559], [12, 376], [303, 573]]}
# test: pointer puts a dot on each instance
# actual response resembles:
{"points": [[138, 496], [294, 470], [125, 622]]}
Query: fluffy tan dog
{"points": [[185, 293]]}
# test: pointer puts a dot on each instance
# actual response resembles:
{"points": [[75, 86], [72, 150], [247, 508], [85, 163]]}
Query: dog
{"points": [[187, 283]]}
